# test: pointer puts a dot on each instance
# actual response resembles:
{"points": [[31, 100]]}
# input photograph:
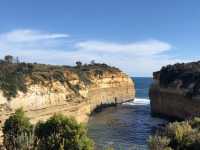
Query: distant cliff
{"points": [[43, 90], [176, 91]]}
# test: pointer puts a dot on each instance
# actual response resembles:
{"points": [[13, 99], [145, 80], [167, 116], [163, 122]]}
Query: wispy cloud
{"points": [[147, 47], [29, 41], [139, 58], [27, 35]]}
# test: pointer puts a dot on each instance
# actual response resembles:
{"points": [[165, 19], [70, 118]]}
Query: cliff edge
{"points": [[43, 90], [176, 91]]}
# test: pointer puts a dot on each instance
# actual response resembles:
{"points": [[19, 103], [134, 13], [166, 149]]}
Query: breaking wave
{"points": [[138, 101]]}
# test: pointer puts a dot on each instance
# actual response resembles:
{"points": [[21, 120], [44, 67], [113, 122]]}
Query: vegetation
{"points": [[57, 133], [14, 74], [181, 75], [159, 143], [177, 136], [78, 64], [17, 132], [60, 133], [12, 78]]}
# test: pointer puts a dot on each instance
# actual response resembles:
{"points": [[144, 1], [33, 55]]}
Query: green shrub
{"points": [[195, 123], [191, 141], [17, 132], [158, 143], [59, 132], [11, 79], [183, 135], [178, 130]]}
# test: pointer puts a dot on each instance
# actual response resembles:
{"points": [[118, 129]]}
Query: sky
{"points": [[138, 36]]}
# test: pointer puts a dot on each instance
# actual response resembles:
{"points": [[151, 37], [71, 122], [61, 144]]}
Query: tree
{"points": [[62, 133], [17, 60], [93, 62], [78, 64], [2, 61], [17, 132], [9, 59]]}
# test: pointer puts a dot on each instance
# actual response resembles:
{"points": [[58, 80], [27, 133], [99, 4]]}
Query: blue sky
{"points": [[138, 36]]}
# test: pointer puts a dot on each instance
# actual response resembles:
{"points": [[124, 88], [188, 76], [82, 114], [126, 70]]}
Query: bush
{"points": [[195, 123], [11, 79], [17, 132], [178, 130], [59, 132], [158, 143], [183, 135], [191, 141]]}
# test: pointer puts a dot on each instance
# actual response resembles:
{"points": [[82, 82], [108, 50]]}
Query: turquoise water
{"points": [[128, 126]]}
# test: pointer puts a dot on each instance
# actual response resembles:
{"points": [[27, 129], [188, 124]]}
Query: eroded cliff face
{"points": [[73, 97], [175, 91]]}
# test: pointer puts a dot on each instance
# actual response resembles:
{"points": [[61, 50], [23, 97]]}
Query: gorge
{"points": [[43, 90]]}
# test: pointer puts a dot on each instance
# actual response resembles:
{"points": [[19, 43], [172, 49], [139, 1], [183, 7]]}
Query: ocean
{"points": [[127, 126]]}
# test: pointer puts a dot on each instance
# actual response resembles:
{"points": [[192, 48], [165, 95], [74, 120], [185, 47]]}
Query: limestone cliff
{"points": [[73, 91], [176, 91]]}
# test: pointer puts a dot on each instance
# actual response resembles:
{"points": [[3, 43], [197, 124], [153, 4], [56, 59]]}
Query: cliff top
{"points": [[182, 76], [15, 75]]}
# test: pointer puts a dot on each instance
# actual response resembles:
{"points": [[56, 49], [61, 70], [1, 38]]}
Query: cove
{"points": [[125, 126]]}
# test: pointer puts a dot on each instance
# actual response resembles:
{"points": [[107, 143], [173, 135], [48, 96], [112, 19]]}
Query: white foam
{"points": [[139, 101]]}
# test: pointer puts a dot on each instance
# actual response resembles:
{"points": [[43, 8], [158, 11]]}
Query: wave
{"points": [[139, 101]]}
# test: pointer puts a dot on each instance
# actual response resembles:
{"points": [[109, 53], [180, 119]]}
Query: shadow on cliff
{"points": [[101, 107]]}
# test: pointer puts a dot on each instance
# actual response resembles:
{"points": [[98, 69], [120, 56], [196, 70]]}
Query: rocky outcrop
{"points": [[176, 91], [79, 92]]}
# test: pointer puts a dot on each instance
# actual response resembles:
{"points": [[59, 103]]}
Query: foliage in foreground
{"points": [[60, 132], [17, 131], [57, 133], [183, 135]]}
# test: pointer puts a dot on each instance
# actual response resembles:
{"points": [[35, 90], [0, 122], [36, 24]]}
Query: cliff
{"points": [[43, 90], [176, 91]]}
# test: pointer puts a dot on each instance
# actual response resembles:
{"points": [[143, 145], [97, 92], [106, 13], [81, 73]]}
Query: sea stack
{"points": [[43, 90], [175, 91]]}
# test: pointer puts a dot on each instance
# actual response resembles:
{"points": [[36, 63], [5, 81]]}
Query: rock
{"points": [[79, 93], [176, 91]]}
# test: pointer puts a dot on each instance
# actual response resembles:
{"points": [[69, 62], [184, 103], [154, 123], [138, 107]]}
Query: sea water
{"points": [[127, 126]]}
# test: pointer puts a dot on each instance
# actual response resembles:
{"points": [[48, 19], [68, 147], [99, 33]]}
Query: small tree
{"points": [[17, 60], [17, 132], [61, 133], [9, 59], [78, 64], [92, 62]]}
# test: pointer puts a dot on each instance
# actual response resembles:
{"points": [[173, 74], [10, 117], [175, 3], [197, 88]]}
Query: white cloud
{"points": [[136, 58], [28, 35], [148, 47]]}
